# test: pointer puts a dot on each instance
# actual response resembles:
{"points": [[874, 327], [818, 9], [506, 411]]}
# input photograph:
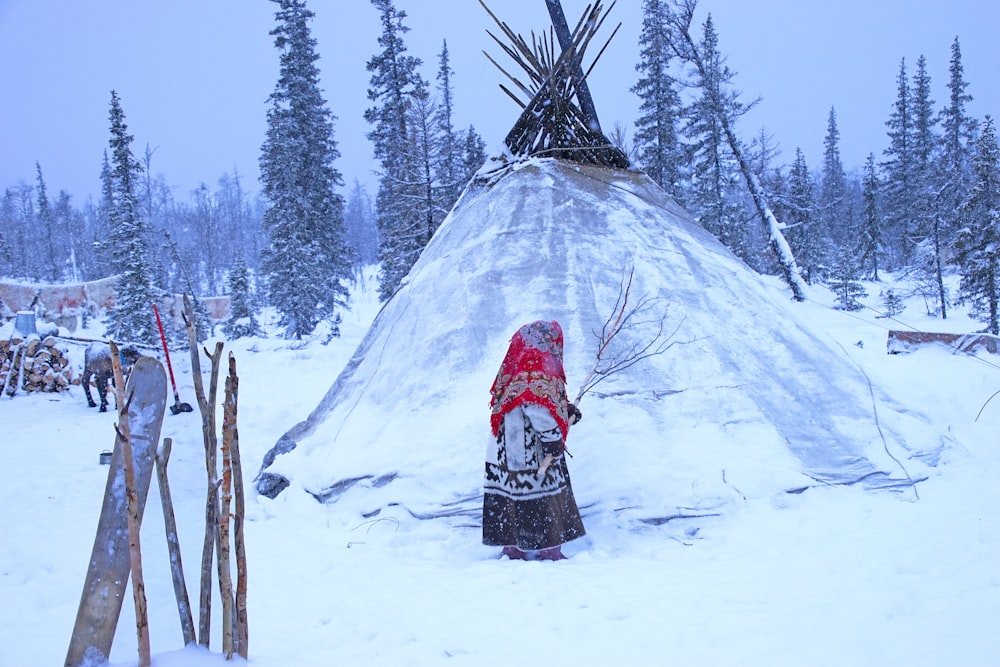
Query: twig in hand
{"points": [[609, 359]]}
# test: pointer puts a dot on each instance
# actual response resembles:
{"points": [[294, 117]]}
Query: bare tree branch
{"points": [[612, 358]]}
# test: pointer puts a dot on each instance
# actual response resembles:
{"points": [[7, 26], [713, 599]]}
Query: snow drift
{"points": [[545, 239]]}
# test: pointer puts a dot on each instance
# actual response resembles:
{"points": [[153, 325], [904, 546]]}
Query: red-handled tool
{"points": [[177, 407]]}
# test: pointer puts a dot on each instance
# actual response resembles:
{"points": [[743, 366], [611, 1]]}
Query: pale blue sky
{"points": [[194, 75]]}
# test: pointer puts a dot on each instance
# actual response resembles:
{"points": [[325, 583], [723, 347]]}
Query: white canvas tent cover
{"points": [[745, 403]]}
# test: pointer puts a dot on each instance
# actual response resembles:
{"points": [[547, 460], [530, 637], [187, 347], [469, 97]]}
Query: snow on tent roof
{"points": [[745, 403]]}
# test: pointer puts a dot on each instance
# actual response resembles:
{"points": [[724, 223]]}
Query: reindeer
{"points": [[97, 363]]}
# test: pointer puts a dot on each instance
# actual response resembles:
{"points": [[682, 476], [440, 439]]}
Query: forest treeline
{"points": [[925, 208]]}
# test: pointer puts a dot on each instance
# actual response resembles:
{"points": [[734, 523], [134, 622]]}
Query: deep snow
{"points": [[835, 575]]}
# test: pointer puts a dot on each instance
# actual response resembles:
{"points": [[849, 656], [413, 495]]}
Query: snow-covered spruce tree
{"points": [[448, 168], [306, 259], [473, 153], [954, 162], [870, 250], [930, 218], [978, 243], [427, 198], [803, 230], [958, 131], [656, 140], [844, 283], [131, 319], [898, 179], [715, 193], [832, 204], [892, 303], [242, 320], [47, 230], [394, 81], [712, 79], [359, 225]]}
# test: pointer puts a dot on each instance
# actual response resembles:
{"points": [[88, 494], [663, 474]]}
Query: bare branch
{"points": [[610, 358]]}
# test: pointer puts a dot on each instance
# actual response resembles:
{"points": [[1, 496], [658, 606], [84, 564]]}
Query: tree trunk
{"points": [[776, 240]]}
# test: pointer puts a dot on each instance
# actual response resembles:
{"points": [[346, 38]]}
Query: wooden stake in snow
{"points": [[207, 408], [225, 576], [173, 545], [242, 630], [135, 553]]}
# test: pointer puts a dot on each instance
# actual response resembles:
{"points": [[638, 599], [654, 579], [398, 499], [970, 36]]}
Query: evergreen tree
{"points": [[898, 170], [47, 224], [712, 123], [844, 281], [306, 259], [449, 171], [832, 204], [427, 199], [958, 128], [657, 144], [978, 243], [7, 223], [925, 203], [871, 231], [359, 222], [131, 318], [473, 153], [804, 232], [957, 140], [394, 81], [242, 320], [715, 192], [892, 303]]}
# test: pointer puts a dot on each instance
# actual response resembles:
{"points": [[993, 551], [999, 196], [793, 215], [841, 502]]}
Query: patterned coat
{"points": [[521, 507]]}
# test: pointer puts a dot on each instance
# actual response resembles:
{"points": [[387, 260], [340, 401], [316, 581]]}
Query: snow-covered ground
{"points": [[831, 576]]}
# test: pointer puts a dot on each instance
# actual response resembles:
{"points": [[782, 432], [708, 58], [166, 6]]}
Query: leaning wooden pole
{"points": [[206, 406], [173, 544], [132, 509], [242, 629], [225, 574]]}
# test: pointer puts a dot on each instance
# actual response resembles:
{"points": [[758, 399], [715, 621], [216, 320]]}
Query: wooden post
{"points": [[242, 630], [207, 408], [135, 552], [173, 545], [225, 575]]}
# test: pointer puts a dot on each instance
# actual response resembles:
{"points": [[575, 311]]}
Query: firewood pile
{"points": [[34, 364]]}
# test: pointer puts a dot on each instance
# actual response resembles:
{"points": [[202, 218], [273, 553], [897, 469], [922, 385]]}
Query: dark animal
{"points": [[97, 363]]}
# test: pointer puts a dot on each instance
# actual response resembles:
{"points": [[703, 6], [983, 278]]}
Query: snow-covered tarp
{"points": [[745, 401]]}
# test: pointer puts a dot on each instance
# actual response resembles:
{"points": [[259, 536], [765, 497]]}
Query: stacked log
{"points": [[34, 364]]}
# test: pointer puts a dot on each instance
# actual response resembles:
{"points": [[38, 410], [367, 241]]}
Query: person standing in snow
{"points": [[528, 503]]}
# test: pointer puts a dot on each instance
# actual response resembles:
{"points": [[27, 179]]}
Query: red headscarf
{"points": [[532, 372]]}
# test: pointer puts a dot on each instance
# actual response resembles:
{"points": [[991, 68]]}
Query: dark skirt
{"points": [[521, 510]]}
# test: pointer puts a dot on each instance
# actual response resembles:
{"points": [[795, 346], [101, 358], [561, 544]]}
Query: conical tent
{"points": [[745, 401], [734, 399]]}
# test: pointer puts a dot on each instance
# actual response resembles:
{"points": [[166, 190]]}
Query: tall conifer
{"points": [[307, 259], [131, 318], [978, 243], [656, 135], [393, 83]]}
